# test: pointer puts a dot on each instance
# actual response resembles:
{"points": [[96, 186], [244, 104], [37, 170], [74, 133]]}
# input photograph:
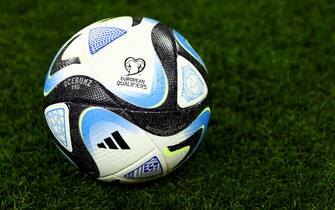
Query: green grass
{"points": [[271, 140]]}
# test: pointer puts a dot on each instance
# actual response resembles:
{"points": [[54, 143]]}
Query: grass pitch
{"points": [[271, 141]]}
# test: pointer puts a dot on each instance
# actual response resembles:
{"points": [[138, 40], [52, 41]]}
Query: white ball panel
{"points": [[192, 88], [57, 117]]}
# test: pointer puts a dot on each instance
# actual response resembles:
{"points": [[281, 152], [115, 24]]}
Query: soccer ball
{"points": [[127, 99]]}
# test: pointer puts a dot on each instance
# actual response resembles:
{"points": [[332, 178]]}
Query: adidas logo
{"points": [[111, 144]]}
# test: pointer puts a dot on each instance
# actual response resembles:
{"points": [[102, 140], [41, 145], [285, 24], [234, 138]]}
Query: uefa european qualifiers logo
{"points": [[134, 66]]}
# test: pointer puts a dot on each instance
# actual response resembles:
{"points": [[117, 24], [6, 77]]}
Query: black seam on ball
{"points": [[165, 47], [192, 141], [182, 52], [136, 21], [59, 64], [81, 89]]}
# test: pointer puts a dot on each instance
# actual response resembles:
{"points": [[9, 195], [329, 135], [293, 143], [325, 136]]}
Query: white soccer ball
{"points": [[127, 99]]}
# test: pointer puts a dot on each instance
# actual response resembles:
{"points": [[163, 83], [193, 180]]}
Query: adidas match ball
{"points": [[127, 99]]}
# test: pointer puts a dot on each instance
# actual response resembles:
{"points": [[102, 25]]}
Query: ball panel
{"points": [[136, 21], [192, 88], [82, 89], [177, 148], [57, 117], [72, 70], [149, 167], [186, 45], [100, 37], [58, 63], [201, 68], [147, 170], [165, 123], [79, 155], [188, 146], [143, 77], [165, 47], [118, 22], [113, 142]]}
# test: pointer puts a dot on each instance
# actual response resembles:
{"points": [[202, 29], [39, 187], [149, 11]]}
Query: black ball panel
{"points": [[82, 90], [166, 123], [165, 47]]}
